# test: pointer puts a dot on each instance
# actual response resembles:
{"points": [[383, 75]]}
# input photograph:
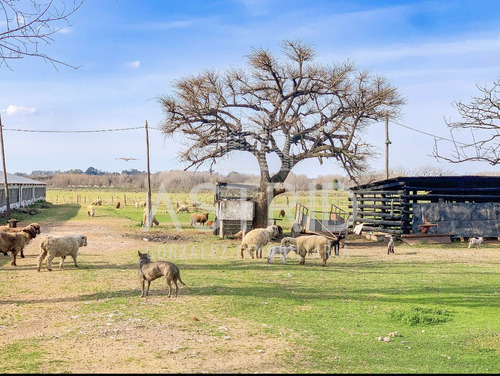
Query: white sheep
{"points": [[280, 250], [60, 246], [310, 244], [90, 211], [182, 208], [256, 239]]}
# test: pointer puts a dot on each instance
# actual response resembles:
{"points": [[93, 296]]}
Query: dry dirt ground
{"points": [[43, 309], [44, 313]]}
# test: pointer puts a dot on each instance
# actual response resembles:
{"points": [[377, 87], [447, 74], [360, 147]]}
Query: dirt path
{"points": [[59, 321]]}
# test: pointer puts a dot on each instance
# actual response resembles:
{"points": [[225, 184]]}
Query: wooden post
{"points": [[5, 182], [387, 143], [149, 219]]}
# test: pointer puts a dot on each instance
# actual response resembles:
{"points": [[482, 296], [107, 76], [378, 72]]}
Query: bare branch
{"points": [[482, 118], [30, 25]]}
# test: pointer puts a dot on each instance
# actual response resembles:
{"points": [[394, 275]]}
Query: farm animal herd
{"points": [[13, 240]]}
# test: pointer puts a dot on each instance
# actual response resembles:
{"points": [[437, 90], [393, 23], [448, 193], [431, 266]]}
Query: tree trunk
{"points": [[262, 202]]}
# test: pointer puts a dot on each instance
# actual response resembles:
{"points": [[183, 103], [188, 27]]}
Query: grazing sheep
{"points": [[256, 239], [117, 206], [90, 211], [198, 218], [475, 241], [15, 242], [35, 225], [141, 204], [310, 244], [155, 221], [97, 202], [281, 213], [149, 271], [209, 223], [60, 246], [280, 250], [182, 208]]}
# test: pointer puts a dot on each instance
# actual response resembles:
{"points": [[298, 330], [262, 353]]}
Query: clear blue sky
{"points": [[130, 52]]}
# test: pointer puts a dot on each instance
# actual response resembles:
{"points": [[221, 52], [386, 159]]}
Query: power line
{"points": [[428, 134], [75, 131]]}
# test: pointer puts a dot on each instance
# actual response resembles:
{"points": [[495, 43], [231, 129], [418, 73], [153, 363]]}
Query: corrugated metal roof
{"points": [[15, 179]]}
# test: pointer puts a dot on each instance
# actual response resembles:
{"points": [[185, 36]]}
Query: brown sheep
{"points": [[199, 218], [209, 223], [15, 242], [281, 213], [35, 225], [117, 205]]}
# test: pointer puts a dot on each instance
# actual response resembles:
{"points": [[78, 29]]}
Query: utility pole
{"points": [[387, 143], [149, 216], [5, 183]]}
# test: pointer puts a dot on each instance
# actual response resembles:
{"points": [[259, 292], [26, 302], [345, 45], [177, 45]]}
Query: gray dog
{"points": [[149, 271]]}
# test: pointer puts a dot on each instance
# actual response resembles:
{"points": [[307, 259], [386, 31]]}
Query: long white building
{"points": [[22, 191]]}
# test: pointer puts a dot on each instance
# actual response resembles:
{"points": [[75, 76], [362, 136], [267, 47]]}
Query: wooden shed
{"points": [[461, 206], [22, 191], [234, 208]]}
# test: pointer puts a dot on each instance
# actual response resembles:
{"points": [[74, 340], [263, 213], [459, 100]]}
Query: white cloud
{"points": [[133, 64], [13, 109]]}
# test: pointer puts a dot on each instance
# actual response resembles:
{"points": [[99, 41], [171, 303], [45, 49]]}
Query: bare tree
{"points": [[482, 119], [291, 107], [30, 25]]}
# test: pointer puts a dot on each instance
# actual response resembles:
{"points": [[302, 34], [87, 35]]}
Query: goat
{"points": [[149, 271]]}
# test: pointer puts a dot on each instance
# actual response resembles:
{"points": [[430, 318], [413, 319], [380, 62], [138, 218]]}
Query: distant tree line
{"points": [[179, 180]]}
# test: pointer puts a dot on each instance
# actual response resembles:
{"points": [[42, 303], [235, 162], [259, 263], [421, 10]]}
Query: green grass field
{"points": [[427, 309]]}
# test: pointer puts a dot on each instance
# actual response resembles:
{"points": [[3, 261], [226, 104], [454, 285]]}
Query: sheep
{"points": [[256, 239], [97, 202], [475, 241], [90, 211], [35, 225], [141, 204], [15, 242], [310, 244], [155, 221], [281, 251], [281, 213], [199, 218], [60, 246], [182, 208], [117, 206], [209, 223]]}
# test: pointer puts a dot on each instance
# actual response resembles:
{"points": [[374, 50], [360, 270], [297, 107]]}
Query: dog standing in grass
{"points": [[149, 271]]}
